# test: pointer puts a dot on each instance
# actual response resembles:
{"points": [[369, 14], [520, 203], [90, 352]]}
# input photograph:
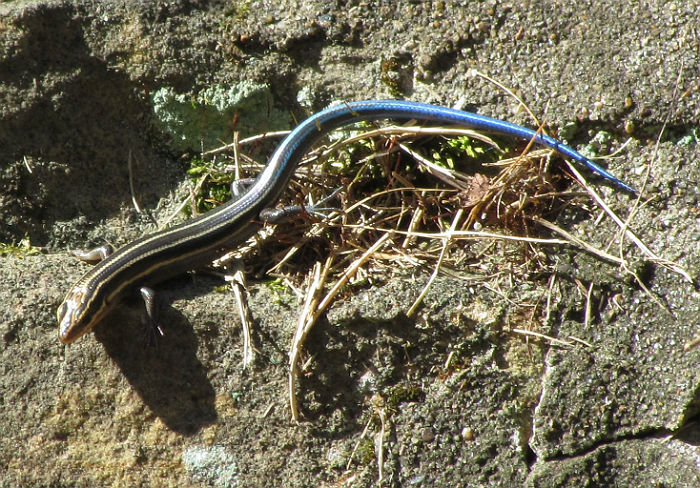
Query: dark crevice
{"points": [[530, 456], [644, 435]]}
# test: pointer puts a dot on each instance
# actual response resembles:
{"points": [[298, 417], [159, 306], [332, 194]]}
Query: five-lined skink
{"points": [[197, 242]]}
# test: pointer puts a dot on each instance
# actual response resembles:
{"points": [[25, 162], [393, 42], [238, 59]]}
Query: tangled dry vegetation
{"points": [[441, 198]]}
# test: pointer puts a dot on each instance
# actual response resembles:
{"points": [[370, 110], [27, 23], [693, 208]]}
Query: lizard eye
{"points": [[61, 312]]}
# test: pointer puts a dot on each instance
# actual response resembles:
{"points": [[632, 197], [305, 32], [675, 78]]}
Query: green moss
{"points": [[365, 453], [215, 189], [280, 292], [463, 148], [208, 119], [20, 249], [403, 393], [238, 10], [276, 285], [690, 139]]}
